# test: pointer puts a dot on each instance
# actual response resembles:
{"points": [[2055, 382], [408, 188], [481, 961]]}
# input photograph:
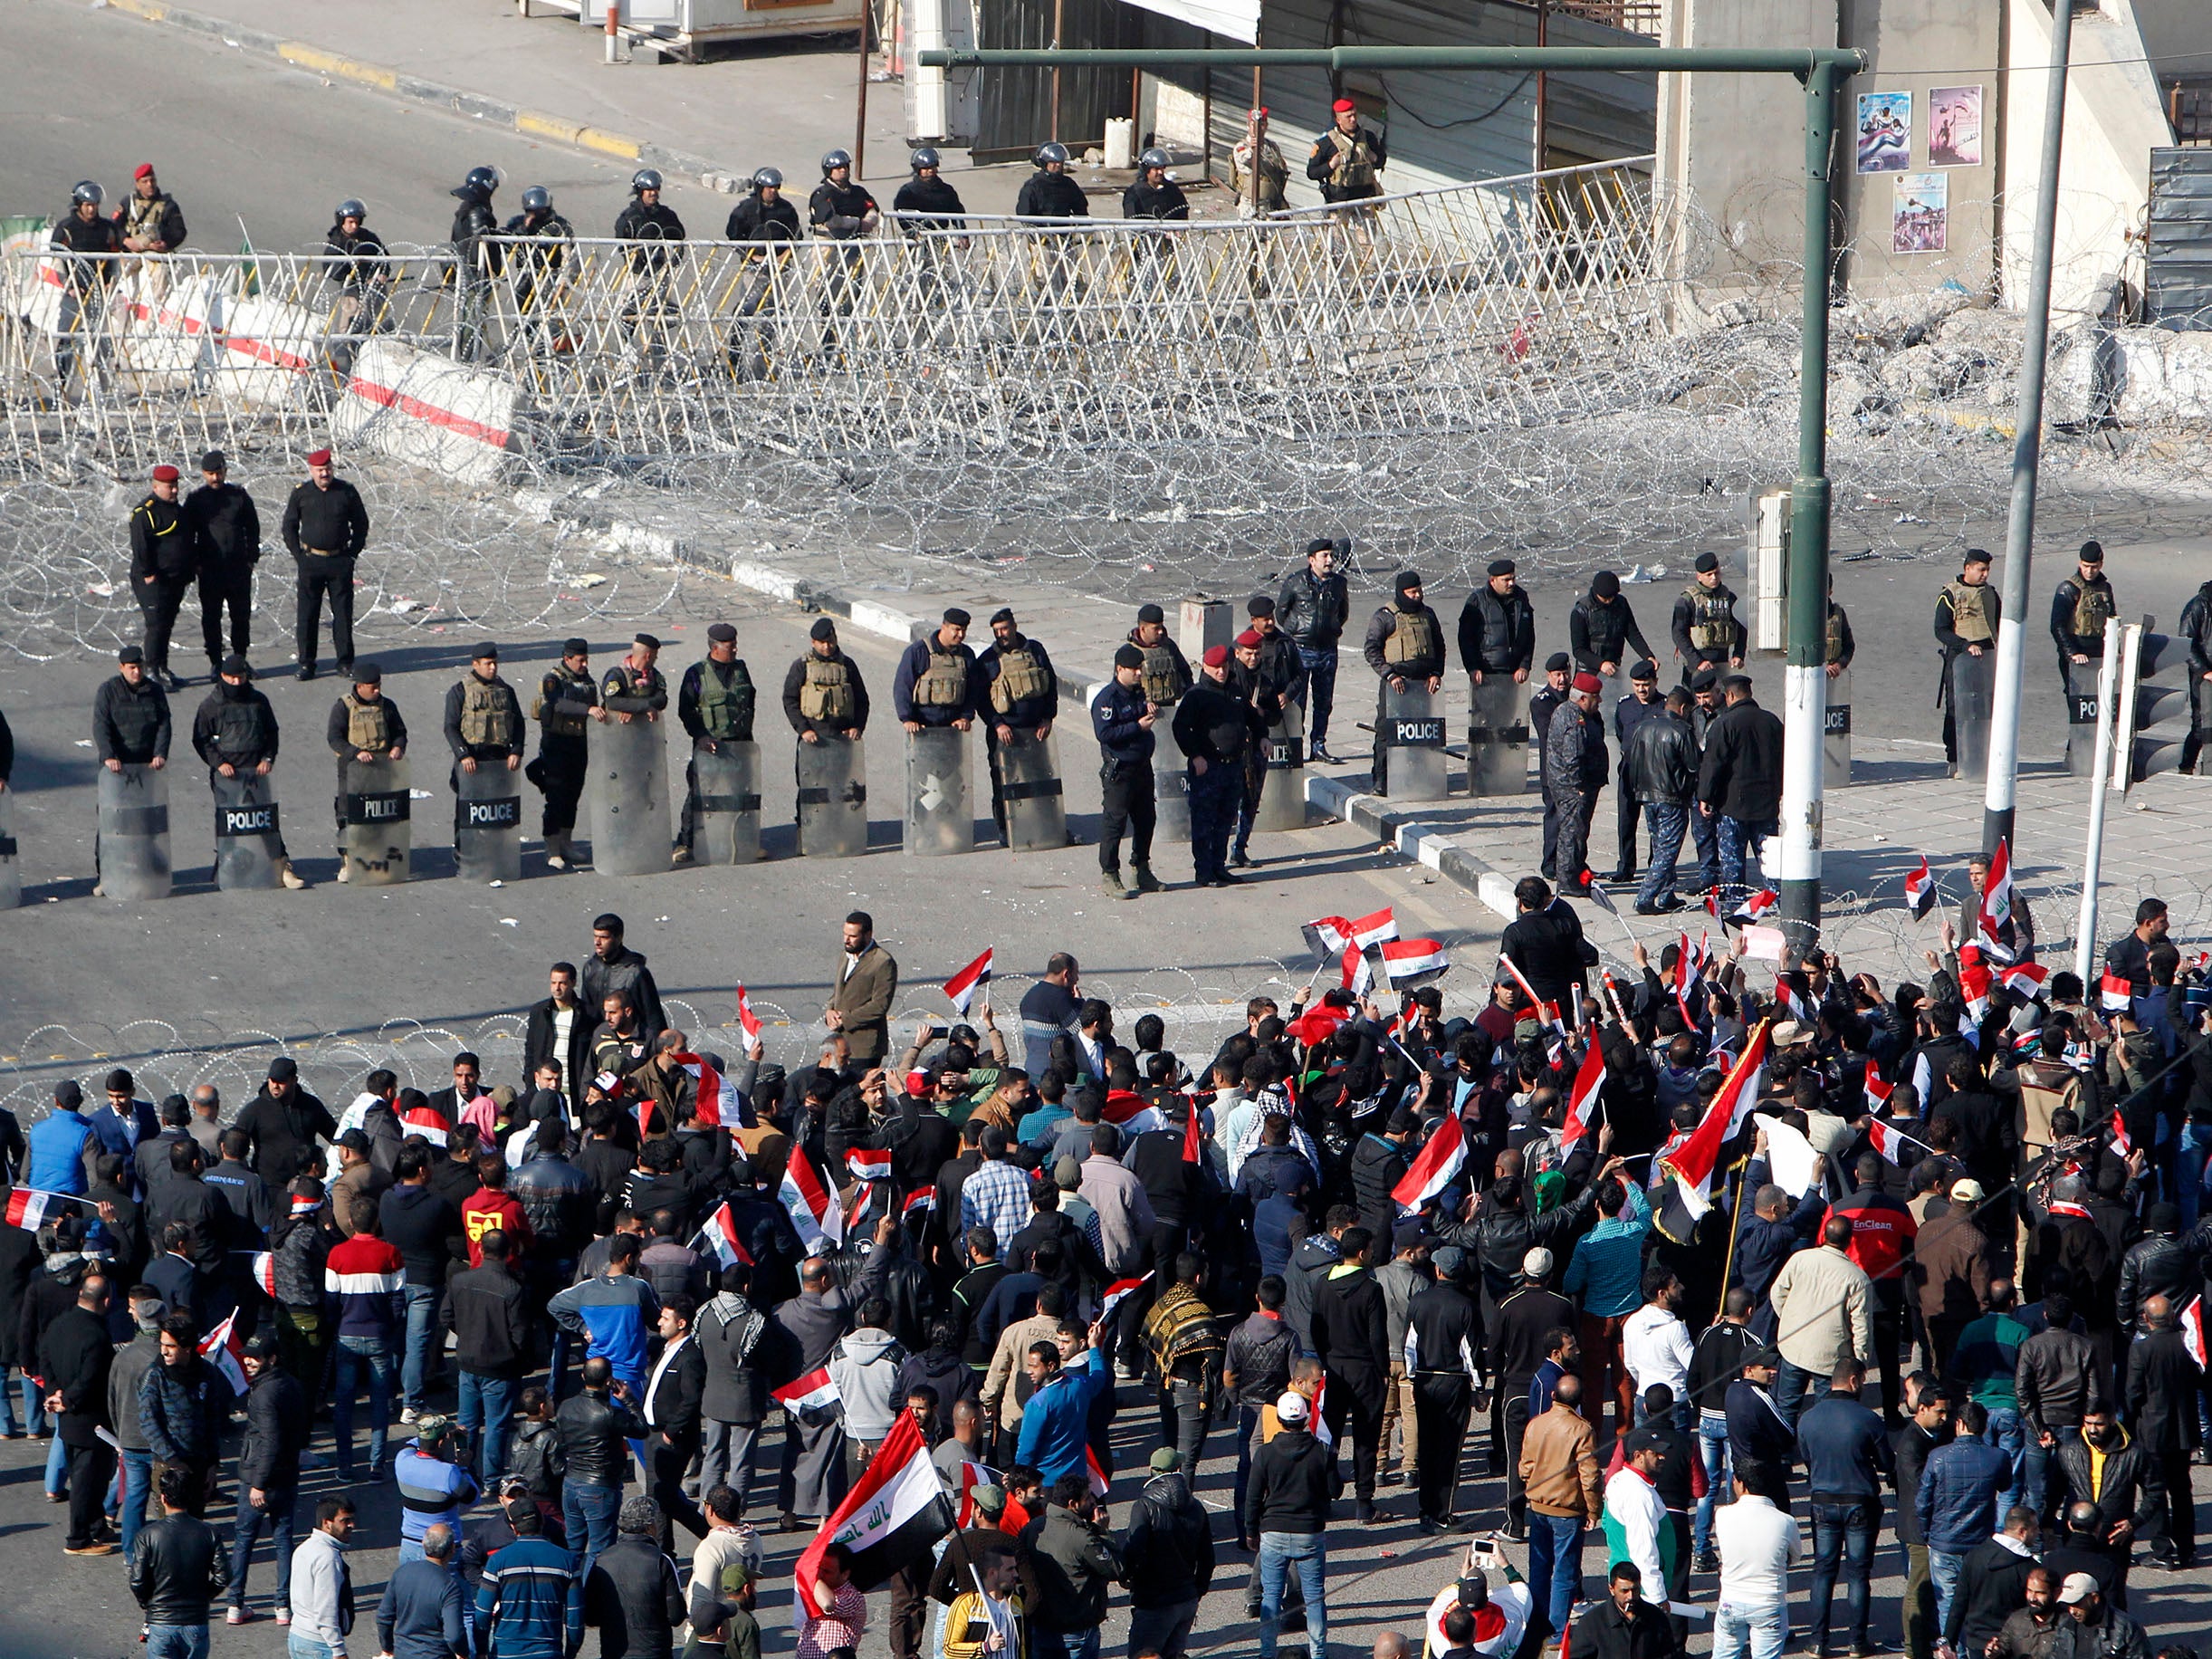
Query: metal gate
{"points": [[1016, 105], [2177, 253]]}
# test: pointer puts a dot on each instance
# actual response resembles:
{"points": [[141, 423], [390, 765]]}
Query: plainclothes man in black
{"points": [[1017, 690], [325, 527], [364, 726], [162, 564], [1967, 613], [235, 732], [1312, 609], [715, 707], [1642, 702], [1658, 772], [130, 723], [1497, 627], [1740, 781], [73, 1354], [1405, 646], [566, 697], [1554, 695], [1122, 719], [1705, 632], [1443, 1337], [2079, 608], [2196, 629], [225, 546], [1601, 624]]}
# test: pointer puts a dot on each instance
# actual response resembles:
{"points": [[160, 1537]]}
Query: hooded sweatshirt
{"points": [[865, 1367]]}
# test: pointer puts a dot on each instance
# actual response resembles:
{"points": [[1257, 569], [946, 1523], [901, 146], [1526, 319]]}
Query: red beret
{"points": [[1343, 106], [1217, 656], [165, 474], [1247, 641], [146, 170], [1588, 683], [319, 458]]}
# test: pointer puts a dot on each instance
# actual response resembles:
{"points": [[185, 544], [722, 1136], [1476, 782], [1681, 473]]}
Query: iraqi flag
{"points": [[1688, 981], [896, 1512], [964, 985], [1975, 980], [1432, 1171], [1411, 963], [863, 1163], [1582, 1101], [1101, 1482], [426, 1118], [921, 1201], [1921, 891], [1327, 935], [1115, 1293], [811, 1398], [1315, 1424], [721, 1102], [1753, 908], [2115, 992], [1786, 995], [260, 1269], [27, 1207], [812, 1205], [2120, 1143], [748, 1022], [2027, 979], [1125, 1109], [1878, 1088], [1993, 914], [221, 1348], [1375, 927], [2191, 1322], [720, 1235], [1317, 1023], [1358, 975], [1693, 1163], [1544, 1011], [1889, 1141], [972, 1474]]}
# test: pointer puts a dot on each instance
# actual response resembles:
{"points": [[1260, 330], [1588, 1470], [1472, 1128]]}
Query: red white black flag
{"points": [[896, 1512], [963, 986]]}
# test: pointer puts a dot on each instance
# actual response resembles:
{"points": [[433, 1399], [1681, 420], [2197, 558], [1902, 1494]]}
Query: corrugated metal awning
{"points": [[1236, 20]]}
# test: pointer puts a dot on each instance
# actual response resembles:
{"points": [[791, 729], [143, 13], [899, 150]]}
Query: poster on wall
{"points": [[1885, 133], [1955, 127], [1919, 223]]}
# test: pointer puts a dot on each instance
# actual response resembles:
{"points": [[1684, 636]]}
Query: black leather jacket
{"points": [[2129, 1491], [2155, 1266], [1312, 611], [1660, 760], [177, 1568], [560, 1203], [592, 1429]]}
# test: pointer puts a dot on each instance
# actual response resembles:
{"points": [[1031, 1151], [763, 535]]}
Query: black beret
{"points": [[130, 654], [823, 629], [1709, 561], [1320, 545], [1646, 670], [721, 633], [648, 641], [1128, 656], [1557, 661], [488, 649], [1151, 613], [370, 673], [1259, 605], [215, 461], [1501, 567], [1705, 679], [1005, 613], [956, 617], [574, 646]]}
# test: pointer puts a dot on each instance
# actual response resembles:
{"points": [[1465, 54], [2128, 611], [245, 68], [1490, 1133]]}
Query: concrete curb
{"points": [[1404, 830], [393, 83]]}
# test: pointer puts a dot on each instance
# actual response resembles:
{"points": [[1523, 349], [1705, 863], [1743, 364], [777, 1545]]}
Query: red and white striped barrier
{"points": [[269, 349], [167, 329], [429, 411]]}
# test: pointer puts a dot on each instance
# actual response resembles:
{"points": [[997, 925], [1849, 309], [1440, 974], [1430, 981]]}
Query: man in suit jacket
{"points": [[673, 1390], [559, 1028], [73, 1354], [2161, 1395], [867, 982]]}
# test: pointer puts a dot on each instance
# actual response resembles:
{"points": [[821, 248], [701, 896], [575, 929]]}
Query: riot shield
{"points": [[379, 837], [134, 833], [1972, 693], [727, 830], [247, 833], [487, 823], [1170, 784], [1413, 730], [1496, 740], [2082, 716], [833, 797], [11, 868], [629, 797], [1029, 787], [1282, 795], [1835, 735], [940, 817]]}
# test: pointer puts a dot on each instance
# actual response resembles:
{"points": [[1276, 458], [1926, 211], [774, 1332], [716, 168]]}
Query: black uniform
{"points": [[85, 284], [996, 706], [1498, 632], [1164, 200], [1955, 635], [473, 221], [2196, 629], [226, 545], [1598, 629], [623, 690], [356, 264], [130, 723], [236, 726], [655, 227], [502, 718], [162, 565], [1712, 610], [1214, 723], [1628, 714], [563, 709], [325, 529], [1444, 1335], [797, 677], [1051, 195], [1278, 677], [1425, 662], [337, 732], [2078, 612], [755, 219], [539, 265], [727, 717], [932, 197], [639, 223], [839, 212], [1125, 774]]}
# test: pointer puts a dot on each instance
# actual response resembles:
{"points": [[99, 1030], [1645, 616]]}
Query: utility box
{"points": [[1204, 624], [1770, 513]]}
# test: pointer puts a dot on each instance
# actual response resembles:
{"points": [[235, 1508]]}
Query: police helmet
{"points": [[925, 157], [1153, 157], [768, 178], [537, 199], [1051, 152], [88, 190], [835, 159], [480, 181], [352, 208], [644, 178]]}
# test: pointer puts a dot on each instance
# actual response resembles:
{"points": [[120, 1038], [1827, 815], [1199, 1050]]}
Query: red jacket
{"points": [[486, 1211], [1882, 1233]]}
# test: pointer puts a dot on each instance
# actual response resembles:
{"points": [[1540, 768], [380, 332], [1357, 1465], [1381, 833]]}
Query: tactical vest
{"points": [[369, 725], [1835, 635], [1164, 682], [1970, 612], [827, 694], [1020, 677], [725, 706], [143, 219], [563, 713], [1712, 628], [486, 722], [237, 734], [944, 683], [1607, 626], [1353, 165], [2093, 608], [1412, 638]]}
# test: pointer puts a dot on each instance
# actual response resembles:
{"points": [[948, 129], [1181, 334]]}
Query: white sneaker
{"points": [[345, 870], [408, 1413], [553, 860], [292, 878]]}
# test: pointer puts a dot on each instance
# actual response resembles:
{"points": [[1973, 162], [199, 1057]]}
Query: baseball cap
{"points": [[1292, 1409], [1967, 1190], [1166, 1461], [1537, 1263], [2078, 1587]]}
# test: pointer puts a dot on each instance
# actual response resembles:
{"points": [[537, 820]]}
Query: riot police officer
{"points": [[648, 218], [1967, 613], [765, 214], [364, 725], [823, 693], [355, 260], [226, 546], [537, 268], [926, 202], [1017, 684], [235, 732], [162, 565], [483, 718], [653, 226], [566, 697], [634, 685], [131, 727], [86, 279], [935, 682], [473, 221], [1497, 627], [1153, 195], [713, 703], [842, 209], [1601, 625], [538, 218], [1404, 646], [1167, 674], [1707, 634], [1312, 609], [1049, 193], [2079, 608]]}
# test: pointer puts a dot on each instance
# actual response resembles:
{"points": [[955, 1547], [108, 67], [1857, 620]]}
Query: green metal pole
{"points": [[1726, 59]]}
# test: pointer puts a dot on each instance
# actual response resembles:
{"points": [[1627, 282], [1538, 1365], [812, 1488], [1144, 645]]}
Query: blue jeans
{"points": [[1762, 1630], [2194, 1148], [1943, 1570], [349, 1357], [422, 1302], [56, 1455], [487, 1412], [1843, 1532], [1248, 1430], [248, 1525], [1554, 1565], [33, 1411], [1739, 840], [588, 1513], [1053, 1643], [1320, 688], [2006, 1435], [176, 1642], [138, 1480], [1667, 823], [1713, 1448], [307, 1647], [2035, 1469], [1794, 1389], [1213, 814], [1280, 1553]]}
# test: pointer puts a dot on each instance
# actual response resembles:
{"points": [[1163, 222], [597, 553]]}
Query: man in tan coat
{"points": [[1006, 1386], [1565, 1502], [1823, 1315], [866, 985]]}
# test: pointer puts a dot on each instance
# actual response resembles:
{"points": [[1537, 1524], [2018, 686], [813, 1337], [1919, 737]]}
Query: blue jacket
{"points": [[1763, 1246], [1056, 1422], [57, 1153], [431, 1491], [182, 1411], [1113, 722], [1540, 1387], [1607, 1266], [1845, 1449], [419, 1616], [532, 1601], [1957, 1500], [122, 1135], [1757, 1432], [615, 1315]]}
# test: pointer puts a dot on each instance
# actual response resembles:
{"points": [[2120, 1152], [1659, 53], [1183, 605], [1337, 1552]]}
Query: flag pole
{"points": [[1727, 1264]]}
